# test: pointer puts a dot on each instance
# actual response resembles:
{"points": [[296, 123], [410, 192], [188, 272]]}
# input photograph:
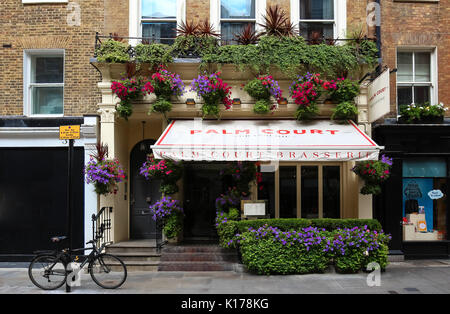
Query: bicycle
{"points": [[51, 267]]}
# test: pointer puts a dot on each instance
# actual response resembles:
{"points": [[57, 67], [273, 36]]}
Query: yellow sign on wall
{"points": [[69, 132]]}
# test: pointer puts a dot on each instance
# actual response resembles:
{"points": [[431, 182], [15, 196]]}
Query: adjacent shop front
{"points": [[414, 205]]}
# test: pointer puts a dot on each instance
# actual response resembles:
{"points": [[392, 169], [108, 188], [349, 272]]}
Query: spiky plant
{"points": [[277, 23], [247, 36], [187, 29], [101, 151], [206, 29]]}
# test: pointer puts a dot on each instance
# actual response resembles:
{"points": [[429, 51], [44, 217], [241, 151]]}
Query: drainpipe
{"points": [[378, 37]]}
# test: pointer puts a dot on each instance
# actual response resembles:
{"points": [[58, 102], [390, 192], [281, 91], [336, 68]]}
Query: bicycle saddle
{"points": [[58, 238]]}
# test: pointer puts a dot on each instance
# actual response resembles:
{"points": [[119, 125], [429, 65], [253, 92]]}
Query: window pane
{"points": [[266, 192], [159, 9], [310, 191], [229, 29], [421, 94], [162, 32], [316, 9], [424, 209], [237, 9], [404, 95], [422, 67], [331, 191], [48, 70], [430, 167], [47, 100], [404, 67], [288, 192], [316, 31]]}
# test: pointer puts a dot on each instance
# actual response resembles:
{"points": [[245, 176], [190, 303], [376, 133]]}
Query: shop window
{"points": [[288, 192], [159, 20], [266, 192], [415, 77], [331, 177], [310, 191], [44, 82], [425, 189], [302, 191]]}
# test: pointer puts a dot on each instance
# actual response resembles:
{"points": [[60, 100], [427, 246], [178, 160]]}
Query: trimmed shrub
{"points": [[330, 224], [227, 232], [269, 250]]}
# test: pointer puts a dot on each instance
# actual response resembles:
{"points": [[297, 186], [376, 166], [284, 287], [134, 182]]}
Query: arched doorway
{"points": [[143, 193]]}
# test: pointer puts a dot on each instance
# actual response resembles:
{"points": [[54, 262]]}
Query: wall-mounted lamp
{"points": [[236, 101], [190, 101], [283, 101]]}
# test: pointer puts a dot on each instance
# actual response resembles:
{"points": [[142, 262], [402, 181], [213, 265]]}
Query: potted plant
{"points": [[213, 90], [262, 88], [169, 214], [373, 173], [104, 173]]}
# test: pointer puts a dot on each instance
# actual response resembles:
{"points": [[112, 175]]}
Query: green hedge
{"points": [[286, 224]]}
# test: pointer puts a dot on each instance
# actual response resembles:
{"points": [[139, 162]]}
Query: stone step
{"points": [[140, 265], [199, 257], [212, 249], [131, 246], [195, 266], [138, 256]]}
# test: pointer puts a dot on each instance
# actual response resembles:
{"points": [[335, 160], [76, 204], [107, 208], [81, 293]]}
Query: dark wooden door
{"points": [[143, 193], [202, 185]]}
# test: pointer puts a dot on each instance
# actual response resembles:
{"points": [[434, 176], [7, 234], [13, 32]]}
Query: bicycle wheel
{"points": [[47, 272], [108, 271]]}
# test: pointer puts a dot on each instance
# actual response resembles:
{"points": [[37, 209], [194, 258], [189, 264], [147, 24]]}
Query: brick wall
{"points": [[417, 24], [42, 26]]}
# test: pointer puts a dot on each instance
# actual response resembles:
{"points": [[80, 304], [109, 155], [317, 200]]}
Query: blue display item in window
{"points": [[424, 168], [416, 190]]}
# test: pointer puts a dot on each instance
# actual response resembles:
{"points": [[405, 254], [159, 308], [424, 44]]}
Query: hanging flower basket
{"points": [[165, 85], [168, 171], [104, 173], [127, 90], [169, 213], [306, 90], [214, 91], [262, 88], [373, 173]]}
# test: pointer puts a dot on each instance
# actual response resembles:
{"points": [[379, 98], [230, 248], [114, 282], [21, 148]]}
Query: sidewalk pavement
{"points": [[421, 276]]}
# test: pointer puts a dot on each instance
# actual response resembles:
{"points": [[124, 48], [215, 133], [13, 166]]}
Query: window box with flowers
{"points": [[426, 113]]}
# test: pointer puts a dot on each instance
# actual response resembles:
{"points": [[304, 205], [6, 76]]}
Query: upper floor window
{"points": [[415, 79], [317, 19], [44, 82], [159, 20], [234, 16], [320, 19]]}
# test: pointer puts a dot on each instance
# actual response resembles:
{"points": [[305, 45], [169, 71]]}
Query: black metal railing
{"points": [[101, 226], [160, 242], [155, 39]]}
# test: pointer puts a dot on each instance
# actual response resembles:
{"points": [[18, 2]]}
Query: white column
{"points": [[90, 135]]}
